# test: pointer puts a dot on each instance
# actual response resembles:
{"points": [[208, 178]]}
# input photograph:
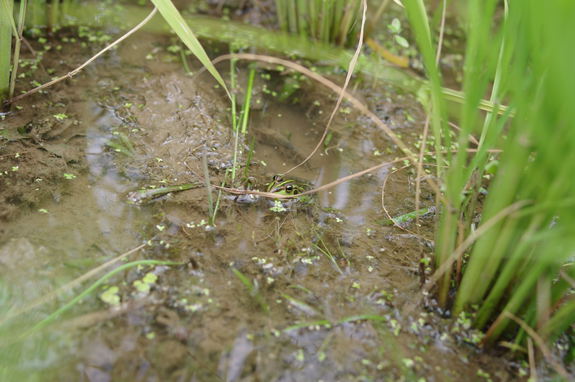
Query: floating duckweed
{"points": [[395, 326], [300, 356], [193, 307], [110, 296], [278, 207], [408, 362], [144, 285], [60, 116]]}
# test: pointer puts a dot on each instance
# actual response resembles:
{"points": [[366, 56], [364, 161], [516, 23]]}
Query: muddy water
{"points": [[329, 288]]}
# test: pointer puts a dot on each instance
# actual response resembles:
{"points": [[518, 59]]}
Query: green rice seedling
{"points": [[37, 13], [17, 44], [519, 260], [328, 21], [420, 24], [6, 31], [54, 14], [240, 126]]}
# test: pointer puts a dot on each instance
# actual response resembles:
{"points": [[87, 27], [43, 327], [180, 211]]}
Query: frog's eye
{"points": [[277, 178], [289, 188]]}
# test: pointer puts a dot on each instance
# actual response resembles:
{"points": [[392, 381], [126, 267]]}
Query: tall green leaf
{"points": [[6, 27], [179, 25]]}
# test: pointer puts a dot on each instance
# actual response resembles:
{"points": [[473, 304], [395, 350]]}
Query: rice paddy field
{"points": [[287, 190]]}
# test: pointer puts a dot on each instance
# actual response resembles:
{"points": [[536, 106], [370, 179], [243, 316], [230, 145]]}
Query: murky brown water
{"points": [[329, 285]]}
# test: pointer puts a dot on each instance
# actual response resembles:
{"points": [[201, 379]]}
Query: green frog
{"points": [[281, 186]]}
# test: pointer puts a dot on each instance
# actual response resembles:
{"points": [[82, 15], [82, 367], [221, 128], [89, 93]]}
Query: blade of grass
{"points": [[217, 206], [281, 14], [292, 16], [254, 292], [78, 69], [241, 129], [6, 31], [300, 305], [328, 254], [445, 237], [303, 17], [21, 20], [53, 294], [350, 70], [211, 213], [248, 101], [181, 28], [53, 316]]}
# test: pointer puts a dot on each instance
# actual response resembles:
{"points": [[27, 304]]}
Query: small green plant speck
{"points": [[61, 116], [408, 362], [144, 285], [395, 26], [278, 207], [110, 296]]}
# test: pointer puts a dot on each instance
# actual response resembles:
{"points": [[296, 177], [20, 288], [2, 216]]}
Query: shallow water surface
{"points": [[319, 291]]}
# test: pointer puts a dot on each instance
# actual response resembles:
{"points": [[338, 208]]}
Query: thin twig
{"points": [[351, 66], [566, 277], [274, 195], [324, 81], [78, 69], [441, 31], [51, 295], [419, 172]]}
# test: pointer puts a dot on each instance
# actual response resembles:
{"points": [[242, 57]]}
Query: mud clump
{"points": [[36, 154]]}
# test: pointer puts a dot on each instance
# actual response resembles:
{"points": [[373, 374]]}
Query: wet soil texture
{"points": [[270, 291]]}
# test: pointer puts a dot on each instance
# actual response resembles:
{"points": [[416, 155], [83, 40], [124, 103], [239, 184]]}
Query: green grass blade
{"points": [[303, 17], [446, 235], [179, 25], [21, 20], [247, 102], [6, 28], [53, 316], [254, 292], [281, 13], [292, 16]]}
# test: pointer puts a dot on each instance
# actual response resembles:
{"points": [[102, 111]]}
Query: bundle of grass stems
{"points": [[515, 267]]}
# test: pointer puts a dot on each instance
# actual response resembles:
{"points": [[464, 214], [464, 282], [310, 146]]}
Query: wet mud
{"points": [[316, 291]]}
